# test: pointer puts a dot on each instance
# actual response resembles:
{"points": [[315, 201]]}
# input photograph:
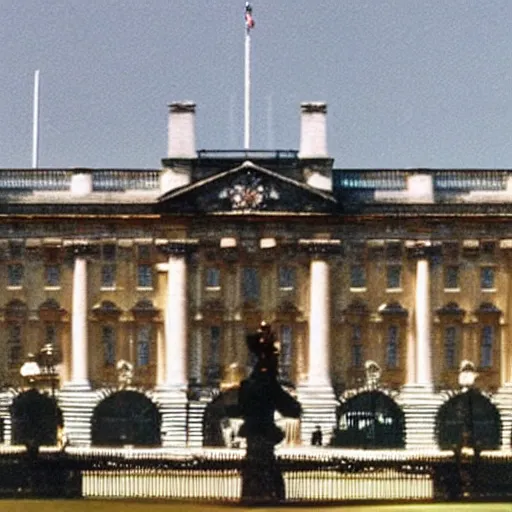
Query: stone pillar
{"points": [[171, 394], [423, 323], [315, 393], [79, 338], [319, 324], [76, 399]]}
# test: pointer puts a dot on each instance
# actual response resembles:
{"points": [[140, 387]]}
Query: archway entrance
{"points": [[468, 419], [370, 420], [35, 419], [126, 418], [221, 419]]}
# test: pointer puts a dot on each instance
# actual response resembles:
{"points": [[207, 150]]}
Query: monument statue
{"points": [[260, 396]]}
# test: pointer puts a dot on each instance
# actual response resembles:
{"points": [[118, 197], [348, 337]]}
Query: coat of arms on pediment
{"points": [[249, 192]]}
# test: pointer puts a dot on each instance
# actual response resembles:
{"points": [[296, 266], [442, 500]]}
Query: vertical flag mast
{"points": [[35, 125], [249, 24]]}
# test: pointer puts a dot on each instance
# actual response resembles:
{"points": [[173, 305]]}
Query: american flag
{"points": [[249, 20]]}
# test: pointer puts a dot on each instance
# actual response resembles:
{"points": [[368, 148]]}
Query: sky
{"points": [[408, 83]]}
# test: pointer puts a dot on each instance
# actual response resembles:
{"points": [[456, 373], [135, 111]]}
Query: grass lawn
{"points": [[160, 506]]}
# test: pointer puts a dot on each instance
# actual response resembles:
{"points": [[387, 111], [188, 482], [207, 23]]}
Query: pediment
{"points": [[247, 189]]}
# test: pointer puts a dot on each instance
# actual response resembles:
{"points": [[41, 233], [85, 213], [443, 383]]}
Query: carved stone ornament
{"points": [[373, 373], [124, 373], [467, 374], [248, 193]]}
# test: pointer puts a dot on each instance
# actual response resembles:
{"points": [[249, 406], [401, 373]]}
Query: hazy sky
{"points": [[409, 83]]}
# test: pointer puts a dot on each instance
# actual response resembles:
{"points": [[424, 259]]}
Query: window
{"points": [[15, 274], [286, 278], [393, 276], [108, 338], [144, 252], [286, 337], [50, 334], [212, 277], [392, 347], [213, 370], [357, 276], [14, 348], [451, 277], [356, 346], [52, 275], [250, 284], [450, 347], [108, 265], [144, 276], [143, 344], [486, 346], [487, 278]]}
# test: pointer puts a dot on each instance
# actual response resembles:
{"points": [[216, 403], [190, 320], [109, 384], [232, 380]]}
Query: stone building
{"points": [[134, 289]]}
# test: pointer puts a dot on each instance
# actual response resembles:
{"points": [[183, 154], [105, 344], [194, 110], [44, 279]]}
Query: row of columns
{"points": [[171, 350]]}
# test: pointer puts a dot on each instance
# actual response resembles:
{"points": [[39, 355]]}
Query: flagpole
{"points": [[35, 124], [247, 79]]}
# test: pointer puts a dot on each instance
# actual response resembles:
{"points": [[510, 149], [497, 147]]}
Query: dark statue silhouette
{"points": [[259, 397]]}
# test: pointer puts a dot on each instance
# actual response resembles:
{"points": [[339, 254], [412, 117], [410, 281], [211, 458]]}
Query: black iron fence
{"points": [[216, 476]]}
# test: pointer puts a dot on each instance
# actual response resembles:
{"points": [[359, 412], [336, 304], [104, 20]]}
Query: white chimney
{"points": [[313, 130], [182, 136]]}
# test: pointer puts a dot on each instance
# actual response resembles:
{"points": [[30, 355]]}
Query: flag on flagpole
{"points": [[249, 20]]}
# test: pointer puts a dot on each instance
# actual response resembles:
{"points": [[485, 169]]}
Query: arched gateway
{"points": [[35, 419], [468, 419], [370, 419], [126, 418]]}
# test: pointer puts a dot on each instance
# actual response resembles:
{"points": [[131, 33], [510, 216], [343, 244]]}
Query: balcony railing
{"points": [[470, 179], [122, 179], [370, 179], [35, 179]]}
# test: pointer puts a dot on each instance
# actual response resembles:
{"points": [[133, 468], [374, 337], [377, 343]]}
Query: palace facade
{"points": [[390, 292]]}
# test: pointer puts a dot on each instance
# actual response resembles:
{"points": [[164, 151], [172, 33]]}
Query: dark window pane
{"points": [[357, 355], [357, 276], [286, 277], [392, 347], [52, 275], [108, 336], [143, 343], [15, 274], [213, 277], [108, 275], [450, 347], [487, 278], [15, 250], [250, 284], [394, 276], [109, 252], [451, 276], [14, 349], [286, 350], [144, 276], [144, 252], [486, 346], [50, 335], [213, 368]]}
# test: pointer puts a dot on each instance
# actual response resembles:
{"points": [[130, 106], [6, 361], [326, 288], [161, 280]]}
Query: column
{"points": [[423, 322], [176, 323], [79, 338], [319, 324]]}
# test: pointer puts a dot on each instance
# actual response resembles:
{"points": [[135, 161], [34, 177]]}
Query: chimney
{"points": [[313, 133], [182, 137]]}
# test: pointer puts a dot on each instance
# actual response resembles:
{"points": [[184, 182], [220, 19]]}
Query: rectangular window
{"points": [[15, 274], [356, 346], [108, 266], [486, 346], [213, 369], [144, 276], [14, 349], [144, 253], [250, 284], [393, 276], [487, 278], [450, 347], [357, 276], [286, 278], [16, 250], [143, 344], [213, 277], [108, 338], [108, 252], [392, 347], [286, 337], [451, 277], [52, 275], [50, 335]]}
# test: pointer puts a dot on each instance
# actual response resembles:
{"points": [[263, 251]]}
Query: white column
{"points": [[423, 323], [79, 323], [176, 323], [319, 324]]}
